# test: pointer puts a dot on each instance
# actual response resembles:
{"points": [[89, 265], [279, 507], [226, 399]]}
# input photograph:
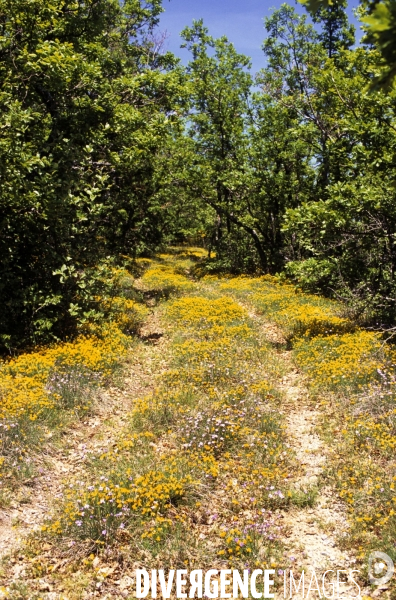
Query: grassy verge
{"points": [[44, 391], [197, 477], [351, 373]]}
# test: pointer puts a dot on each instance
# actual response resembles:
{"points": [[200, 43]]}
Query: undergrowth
{"points": [[351, 374], [198, 475], [45, 390]]}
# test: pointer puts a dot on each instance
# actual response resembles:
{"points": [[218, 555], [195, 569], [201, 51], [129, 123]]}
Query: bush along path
{"points": [[234, 446], [27, 505]]}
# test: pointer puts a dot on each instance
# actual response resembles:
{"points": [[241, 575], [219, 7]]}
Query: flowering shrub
{"points": [[127, 314], [98, 511], [352, 358], [256, 537], [238, 543], [200, 311], [298, 314], [310, 321], [211, 428], [165, 279], [35, 387]]}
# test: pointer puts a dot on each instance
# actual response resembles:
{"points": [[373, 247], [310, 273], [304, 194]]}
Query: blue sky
{"points": [[240, 20]]}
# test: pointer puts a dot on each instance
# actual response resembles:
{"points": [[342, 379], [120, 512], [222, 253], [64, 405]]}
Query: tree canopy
{"points": [[111, 148]]}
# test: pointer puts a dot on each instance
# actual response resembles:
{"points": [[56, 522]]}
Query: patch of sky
{"points": [[242, 21]]}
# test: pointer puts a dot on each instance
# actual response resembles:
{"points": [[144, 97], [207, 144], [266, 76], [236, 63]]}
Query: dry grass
{"points": [[203, 470]]}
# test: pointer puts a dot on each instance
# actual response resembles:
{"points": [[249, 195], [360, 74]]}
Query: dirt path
{"points": [[314, 533], [30, 506]]}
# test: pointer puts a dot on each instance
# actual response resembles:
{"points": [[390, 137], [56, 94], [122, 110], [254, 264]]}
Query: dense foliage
{"points": [[110, 147], [86, 106], [301, 169], [379, 19]]}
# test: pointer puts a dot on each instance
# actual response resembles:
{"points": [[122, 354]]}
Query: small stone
{"points": [[126, 582], [44, 586], [46, 547]]}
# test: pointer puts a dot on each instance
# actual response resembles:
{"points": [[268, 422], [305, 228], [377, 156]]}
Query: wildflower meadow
{"points": [[203, 472]]}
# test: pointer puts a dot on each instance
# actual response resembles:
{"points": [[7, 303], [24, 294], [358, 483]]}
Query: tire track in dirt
{"points": [[33, 502], [313, 532]]}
